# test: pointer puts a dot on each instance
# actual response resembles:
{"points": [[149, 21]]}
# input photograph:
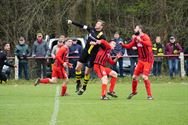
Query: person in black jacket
{"points": [[3, 61], [89, 53]]}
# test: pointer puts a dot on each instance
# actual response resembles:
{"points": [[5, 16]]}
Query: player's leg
{"points": [[78, 74], [64, 76], [100, 71], [113, 80], [86, 79], [104, 80], [137, 72], [146, 72]]}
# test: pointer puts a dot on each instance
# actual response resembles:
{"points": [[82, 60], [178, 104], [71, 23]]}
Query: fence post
{"points": [[182, 69], [16, 68]]}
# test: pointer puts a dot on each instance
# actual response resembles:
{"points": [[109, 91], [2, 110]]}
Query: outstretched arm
{"points": [[79, 25]]}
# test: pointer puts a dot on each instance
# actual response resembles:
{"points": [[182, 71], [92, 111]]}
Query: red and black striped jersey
{"points": [[103, 55], [144, 48]]}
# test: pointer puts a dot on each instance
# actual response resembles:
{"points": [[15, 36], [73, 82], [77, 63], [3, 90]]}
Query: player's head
{"points": [[158, 39], [99, 25], [112, 44], [138, 29], [172, 39], [68, 42]]}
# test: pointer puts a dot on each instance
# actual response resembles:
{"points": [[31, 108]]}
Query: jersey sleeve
{"points": [[129, 45], [82, 26], [111, 61]]}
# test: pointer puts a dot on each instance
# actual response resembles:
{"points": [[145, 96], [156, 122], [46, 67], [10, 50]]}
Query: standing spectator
{"points": [[186, 60], [158, 49], [22, 52], [173, 48], [118, 49], [75, 50], [6, 69], [40, 49], [133, 60], [56, 48]]}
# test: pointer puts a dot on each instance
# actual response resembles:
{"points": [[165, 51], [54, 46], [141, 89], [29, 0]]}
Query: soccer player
{"points": [[58, 69], [103, 56], [89, 53], [145, 59]]}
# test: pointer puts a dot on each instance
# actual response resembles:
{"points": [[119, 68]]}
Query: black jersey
{"points": [[91, 49]]}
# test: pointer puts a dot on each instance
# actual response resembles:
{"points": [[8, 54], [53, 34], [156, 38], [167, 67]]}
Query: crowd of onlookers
{"points": [[40, 50]]}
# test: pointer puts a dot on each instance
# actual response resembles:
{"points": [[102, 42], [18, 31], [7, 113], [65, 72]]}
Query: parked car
{"points": [[52, 43]]}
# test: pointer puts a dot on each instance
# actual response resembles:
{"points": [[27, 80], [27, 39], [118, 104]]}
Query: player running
{"points": [[89, 53], [145, 60], [103, 56], [58, 69]]}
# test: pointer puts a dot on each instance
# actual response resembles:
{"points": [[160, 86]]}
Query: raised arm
{"points": [[105, 43], [129, 45], [79, 25]]}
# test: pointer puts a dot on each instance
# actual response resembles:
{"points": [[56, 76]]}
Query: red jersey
{"points": [[103, 55], [144, 48], [61, 56]]}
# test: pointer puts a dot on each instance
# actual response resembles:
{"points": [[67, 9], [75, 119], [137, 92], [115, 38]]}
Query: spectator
{"points": [[75, 50], [3, 61], [158, 49], [173, 48], [22, 52], [186, 60], [118, 49], [6, 69], [133, 60], [40, 49], [56, 48]]}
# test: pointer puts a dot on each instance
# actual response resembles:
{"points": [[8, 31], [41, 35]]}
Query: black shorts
{"points": [[87, 59]]}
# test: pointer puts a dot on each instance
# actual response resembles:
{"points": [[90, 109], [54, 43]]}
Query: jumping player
{"points": [[103, 56], [145, 60], [89, 53], [58, 69]]}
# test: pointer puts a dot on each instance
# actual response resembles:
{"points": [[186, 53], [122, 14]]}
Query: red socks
{"points": [[104, 87], [112, 83], [45, 80], [64, 89], [148, 87], [134, 86]]}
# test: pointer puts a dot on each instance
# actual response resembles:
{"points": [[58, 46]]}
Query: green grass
{"points": [[23, 104]]}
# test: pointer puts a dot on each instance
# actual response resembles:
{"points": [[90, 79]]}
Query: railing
{"points": [[181, 57]]}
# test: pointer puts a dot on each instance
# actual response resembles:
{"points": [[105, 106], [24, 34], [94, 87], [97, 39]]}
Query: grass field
{"points": [[23, 104]]}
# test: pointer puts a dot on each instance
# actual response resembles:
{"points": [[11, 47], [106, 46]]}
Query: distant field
{"points": [[23, 104]]}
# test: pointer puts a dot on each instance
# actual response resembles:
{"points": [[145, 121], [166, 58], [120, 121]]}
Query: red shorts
{"points": [[101, 70], [143, 67], [59, 72]]}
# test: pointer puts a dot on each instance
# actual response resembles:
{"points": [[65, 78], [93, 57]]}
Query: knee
{"points": [[135, 77], [114, 74], [145, 77], [104, 80]]}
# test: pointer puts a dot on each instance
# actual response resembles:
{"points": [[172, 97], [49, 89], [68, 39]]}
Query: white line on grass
{"points": [[56, 108]]}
